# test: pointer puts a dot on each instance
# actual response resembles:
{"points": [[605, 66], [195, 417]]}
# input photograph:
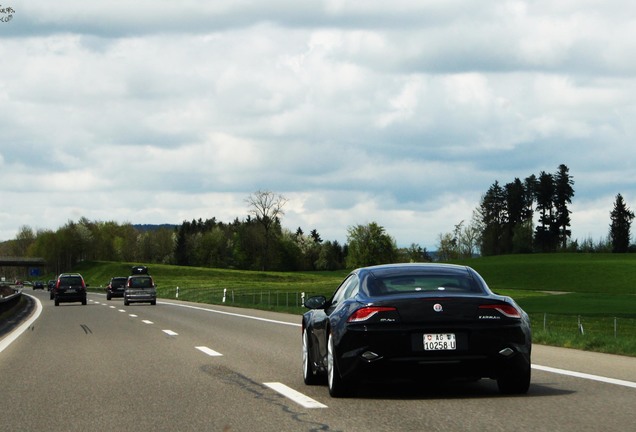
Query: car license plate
{"points": [[439, 341], [71, 290]]}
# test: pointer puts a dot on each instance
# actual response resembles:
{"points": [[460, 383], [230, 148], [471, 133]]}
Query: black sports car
{"points": [[415, 321]]}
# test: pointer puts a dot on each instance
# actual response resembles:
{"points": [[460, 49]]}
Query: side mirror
{"points": [[316, 302]]}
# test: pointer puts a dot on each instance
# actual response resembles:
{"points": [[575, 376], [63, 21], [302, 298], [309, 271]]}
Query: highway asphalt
{"points": [[181, 366]]}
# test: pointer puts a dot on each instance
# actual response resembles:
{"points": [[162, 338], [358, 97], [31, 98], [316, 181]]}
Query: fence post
{"points": [[615, 327], [224, 293]]}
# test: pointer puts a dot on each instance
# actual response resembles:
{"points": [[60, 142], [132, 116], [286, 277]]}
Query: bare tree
{"points": [[267, 208]]}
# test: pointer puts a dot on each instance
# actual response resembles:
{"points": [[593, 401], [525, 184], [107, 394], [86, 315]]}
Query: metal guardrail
{"points": [[6, 299]]}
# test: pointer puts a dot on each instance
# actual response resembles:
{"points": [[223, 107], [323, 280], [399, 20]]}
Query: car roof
{"points": [[438, 268]]}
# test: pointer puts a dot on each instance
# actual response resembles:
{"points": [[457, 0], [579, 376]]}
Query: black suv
{"points": [[116, 287], [70, 287]]}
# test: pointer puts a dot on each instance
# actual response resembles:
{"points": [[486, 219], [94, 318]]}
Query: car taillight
{"points": [[365, 313], [504, 309]]}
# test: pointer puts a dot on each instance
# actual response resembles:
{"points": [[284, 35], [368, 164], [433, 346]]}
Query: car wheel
{"points": [[57, 301], [309, 376], [515, 380], [337, 387], [52, 296], [108, 297], [126, 302], [153, 303], [83, 302]]}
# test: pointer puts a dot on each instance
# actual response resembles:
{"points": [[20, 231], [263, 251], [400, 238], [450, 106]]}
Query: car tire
{"points": [[84, 302], [57, 301], [126, 302], [309, 376], [515, 380], [108, 297], [153, 303], [337, 386], [52, 296]]}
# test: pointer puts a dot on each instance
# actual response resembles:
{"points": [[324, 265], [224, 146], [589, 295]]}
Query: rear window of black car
{"points": [[409, 283], [118, 282], [70, 280]]}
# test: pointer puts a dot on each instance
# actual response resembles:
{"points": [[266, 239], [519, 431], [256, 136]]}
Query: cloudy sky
{"points": [[401, 113]]}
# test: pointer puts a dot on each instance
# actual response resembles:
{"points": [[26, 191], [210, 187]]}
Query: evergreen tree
{"points": [[492, 215], [621, 217], [563, 193], [544, 238]]}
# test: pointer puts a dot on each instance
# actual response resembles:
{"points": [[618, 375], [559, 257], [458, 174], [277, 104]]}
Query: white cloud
{"points": [[402, 113]]}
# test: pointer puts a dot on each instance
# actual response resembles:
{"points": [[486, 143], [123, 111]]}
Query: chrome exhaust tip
{"points": [[507, 352]]}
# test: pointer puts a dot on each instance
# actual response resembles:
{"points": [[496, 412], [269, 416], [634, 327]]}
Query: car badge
{"points": [[437, 307]]}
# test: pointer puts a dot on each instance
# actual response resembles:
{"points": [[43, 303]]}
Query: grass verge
{"points": [[559, 292]]}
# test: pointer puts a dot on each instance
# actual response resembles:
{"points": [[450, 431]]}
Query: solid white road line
{"points": [[17, 332], [208, 351], [170, 333], [295, 396], [232, 314], [585, 376]]}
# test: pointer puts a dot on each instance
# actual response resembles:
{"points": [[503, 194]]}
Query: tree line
{"points": [[503, 223], [529, 216], [258, 242]]}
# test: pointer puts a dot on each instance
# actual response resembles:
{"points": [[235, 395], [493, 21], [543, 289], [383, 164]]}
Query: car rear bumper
{"points": [[140, 297], [70, 297], [388, 355]]}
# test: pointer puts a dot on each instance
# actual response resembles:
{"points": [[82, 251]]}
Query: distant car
{"points": [[419, 322], [70, 287], [116, 287], [38, 285], [140, 288], [50, 285]]}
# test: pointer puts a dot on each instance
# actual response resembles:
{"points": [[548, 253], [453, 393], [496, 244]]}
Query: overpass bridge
{"points": [[20, 267]]}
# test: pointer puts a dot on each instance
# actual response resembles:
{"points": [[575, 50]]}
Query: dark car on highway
{"points": [[417, 322], [140, 287], [70, 287], [116, 287], [38, 285]]}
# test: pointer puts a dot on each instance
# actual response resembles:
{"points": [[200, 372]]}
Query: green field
{"points": [[583, 301]]}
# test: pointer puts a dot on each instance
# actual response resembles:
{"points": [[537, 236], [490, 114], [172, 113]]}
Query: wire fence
{"points": [[293, 301], [244, 297], [580, 325]]}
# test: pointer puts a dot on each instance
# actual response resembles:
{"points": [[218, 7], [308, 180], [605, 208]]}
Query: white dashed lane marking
{"points": [[295, 396], [147, 322], [170, 333], [208, 351]]}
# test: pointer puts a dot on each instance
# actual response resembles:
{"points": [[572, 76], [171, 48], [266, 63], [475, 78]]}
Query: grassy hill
{"points": [[590, 284], [583, 301]]}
